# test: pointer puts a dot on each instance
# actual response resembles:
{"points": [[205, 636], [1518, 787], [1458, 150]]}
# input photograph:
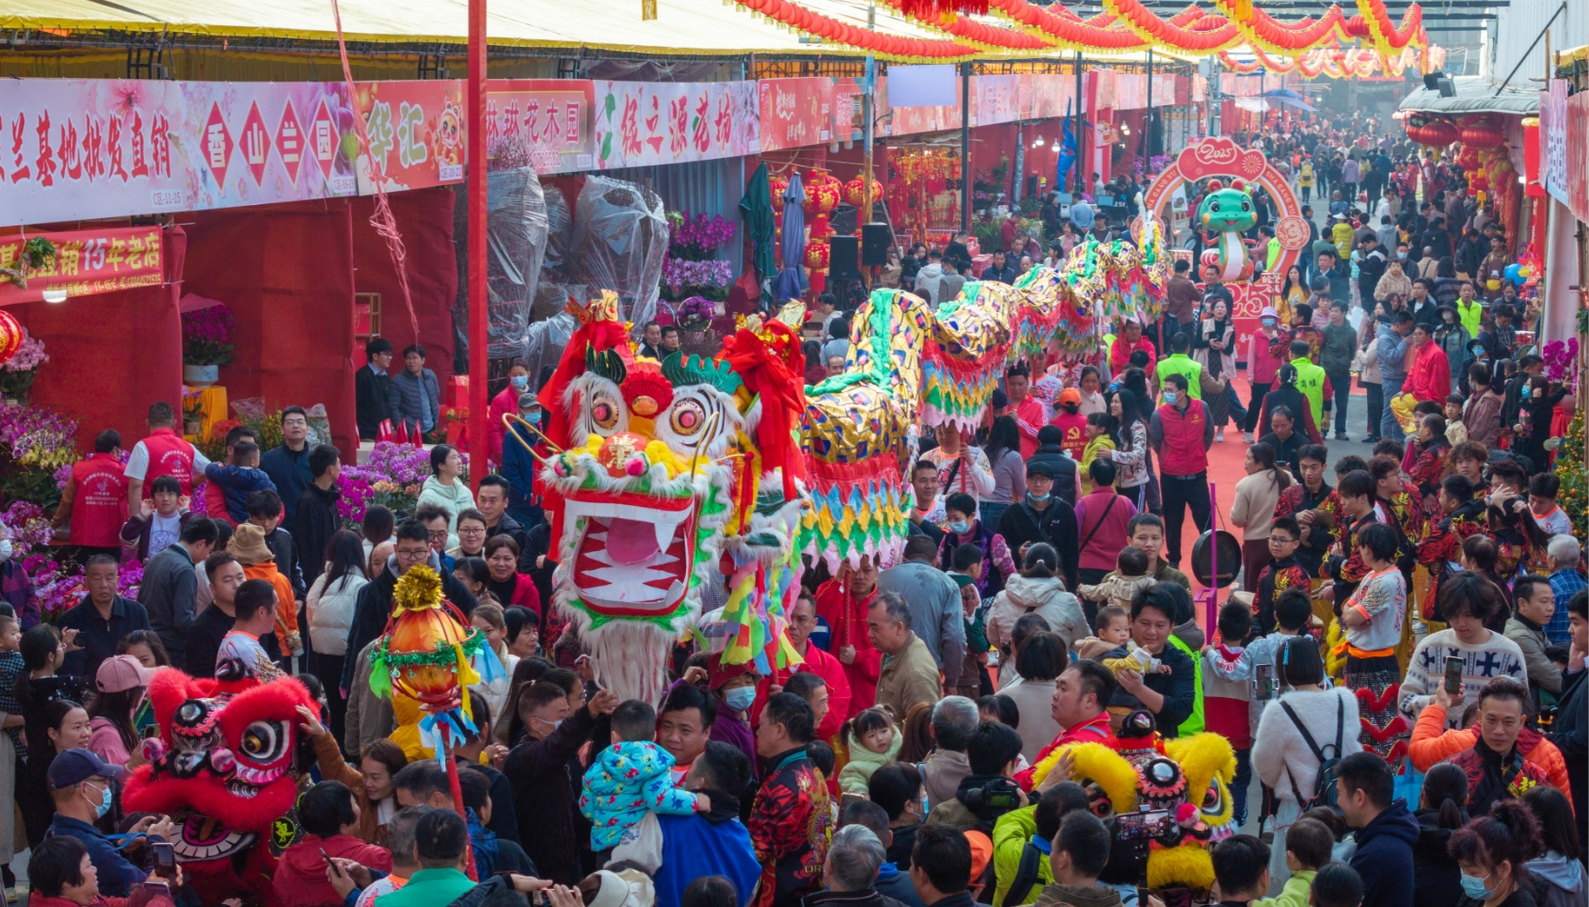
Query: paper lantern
{"points": [[10, 336], [817, 257], [854, 188], [1482, 132], [777, 186], [823, 193]]}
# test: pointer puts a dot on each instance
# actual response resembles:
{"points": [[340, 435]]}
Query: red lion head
{"points": [[221, 763]]}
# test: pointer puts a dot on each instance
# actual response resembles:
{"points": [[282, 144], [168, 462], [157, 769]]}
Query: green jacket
{"points": [[1295, 894], [1471, 315], [427, 888], [1194, 722], [1310, 381], [1010, 836], [1182, 364]]}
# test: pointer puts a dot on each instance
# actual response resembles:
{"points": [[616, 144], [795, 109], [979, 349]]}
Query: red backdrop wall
{"points": [[287, 273], [424, 219], [113, 354]]}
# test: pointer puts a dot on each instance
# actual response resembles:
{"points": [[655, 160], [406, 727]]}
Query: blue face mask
{"points": [[104, 804], [960, 528], [1268, 322], [1169, 397], [1473, 887], [534, 418], [520, 381], [740, 698], [1038, 499]]}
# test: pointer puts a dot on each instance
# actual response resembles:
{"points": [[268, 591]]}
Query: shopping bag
{"points": [[641, 844]]}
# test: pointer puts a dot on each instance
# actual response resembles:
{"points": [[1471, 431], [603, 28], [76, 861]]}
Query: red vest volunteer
{"points": [[95, 498]]}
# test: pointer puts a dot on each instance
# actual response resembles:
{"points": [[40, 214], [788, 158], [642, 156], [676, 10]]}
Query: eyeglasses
{"points": [[1277, 540], [473, 530]]}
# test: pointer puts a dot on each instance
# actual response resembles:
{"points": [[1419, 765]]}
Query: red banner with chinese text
{"points": [[794, 112], [86, 262]]}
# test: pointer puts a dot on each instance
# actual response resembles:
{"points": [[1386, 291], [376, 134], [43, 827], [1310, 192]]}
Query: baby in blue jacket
{"points": [[631, 778], [239, 480]]}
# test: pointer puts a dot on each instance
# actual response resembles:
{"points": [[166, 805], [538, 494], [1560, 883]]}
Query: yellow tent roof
{"points": [[682, 27]]}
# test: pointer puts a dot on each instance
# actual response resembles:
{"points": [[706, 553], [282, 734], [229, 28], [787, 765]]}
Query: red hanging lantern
{"points": [[10, 336], [777, 186], [816, 257], [1482, 132], [823, 193], [854, 188]]}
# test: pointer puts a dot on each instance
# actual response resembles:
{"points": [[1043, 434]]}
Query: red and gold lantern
{"points": [[854, 188], [10, 336], [1482, 132]]}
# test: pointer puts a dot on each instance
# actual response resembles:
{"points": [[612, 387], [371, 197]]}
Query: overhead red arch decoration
{"points": [[1221, 157]]}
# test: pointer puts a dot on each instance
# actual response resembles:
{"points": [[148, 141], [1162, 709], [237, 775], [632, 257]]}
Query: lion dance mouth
{"points": [[635, 555]]}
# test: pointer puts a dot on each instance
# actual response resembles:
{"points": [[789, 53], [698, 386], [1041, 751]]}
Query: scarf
{"points": [[484, 842]]}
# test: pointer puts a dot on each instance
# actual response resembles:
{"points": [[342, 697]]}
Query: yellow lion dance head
{"points": [[1167, 801]]}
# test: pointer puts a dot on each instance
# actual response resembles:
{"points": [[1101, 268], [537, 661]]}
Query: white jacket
{"points": [[1279, 750], [1046, 598], [330, 612]]}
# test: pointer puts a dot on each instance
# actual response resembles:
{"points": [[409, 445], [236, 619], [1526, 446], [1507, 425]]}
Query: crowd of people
{"points": [[1401, 672]]}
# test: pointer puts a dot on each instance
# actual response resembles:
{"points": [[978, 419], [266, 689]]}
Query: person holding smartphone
{"points": [[80, 783]]}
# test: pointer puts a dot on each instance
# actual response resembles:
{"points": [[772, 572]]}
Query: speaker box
{"points": [[875, 242], [844, 219], [844, 258]]}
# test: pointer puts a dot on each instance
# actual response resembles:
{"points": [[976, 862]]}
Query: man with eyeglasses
{"points": [[435, 520], [288, 465]]}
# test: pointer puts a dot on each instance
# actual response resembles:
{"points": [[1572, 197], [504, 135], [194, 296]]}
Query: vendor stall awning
{"points": [[1475, 94]]}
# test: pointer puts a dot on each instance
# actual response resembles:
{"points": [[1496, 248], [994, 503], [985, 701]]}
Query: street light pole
{"points": [[479, 445]]}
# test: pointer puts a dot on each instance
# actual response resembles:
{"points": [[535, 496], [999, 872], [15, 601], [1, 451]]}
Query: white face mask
{"points": [[5, 549]]}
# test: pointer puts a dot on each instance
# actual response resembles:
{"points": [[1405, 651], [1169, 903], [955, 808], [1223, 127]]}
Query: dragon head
{"points": [[1227, 210], [223, 761]]}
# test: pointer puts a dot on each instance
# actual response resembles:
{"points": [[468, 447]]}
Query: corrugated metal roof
{"points": [[1475, 94]]}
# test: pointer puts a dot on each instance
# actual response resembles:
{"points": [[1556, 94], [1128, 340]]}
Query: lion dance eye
{"points": [[604, 412], [264, 741], [688, 417]]}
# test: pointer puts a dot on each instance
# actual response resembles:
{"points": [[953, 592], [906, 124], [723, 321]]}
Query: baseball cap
{"points": [[1039, 468], [78, 765], [1069, 395], [121, 672]]}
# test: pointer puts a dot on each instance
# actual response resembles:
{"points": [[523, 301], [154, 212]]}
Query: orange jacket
{"points": [[1431, 743], [286, 606]]}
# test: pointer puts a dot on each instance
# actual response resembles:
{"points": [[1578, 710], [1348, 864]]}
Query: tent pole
{"points": [[479, 445], [965, 147]]}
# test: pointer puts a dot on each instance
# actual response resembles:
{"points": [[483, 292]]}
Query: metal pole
{"points": [[1081, 132], [866, 169], [965, 148], [1147, 129], [1520, 60], [479, 445]]}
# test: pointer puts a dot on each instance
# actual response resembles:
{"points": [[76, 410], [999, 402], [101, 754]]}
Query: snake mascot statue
{"points": [[1228, 212]]}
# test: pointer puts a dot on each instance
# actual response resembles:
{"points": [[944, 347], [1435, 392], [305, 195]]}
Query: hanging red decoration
{"points": [[1482, 132], [777, 186], [823, 193], [854, 188], [10, 336]]}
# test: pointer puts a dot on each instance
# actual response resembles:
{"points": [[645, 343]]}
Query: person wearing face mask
{"points": [[81, 785], [735, 689], [506, 401], [1491, 851], [519, 463], [1262, 367]]}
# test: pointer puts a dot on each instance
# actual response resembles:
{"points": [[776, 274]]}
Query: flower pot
{"points": [[200, 375], [192, 428]]}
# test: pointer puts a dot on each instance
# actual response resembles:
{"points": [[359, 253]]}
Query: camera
{"points": [[999, 795]]}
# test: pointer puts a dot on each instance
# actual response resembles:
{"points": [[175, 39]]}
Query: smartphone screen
{"points": [[1454, 674], [165, 859], [1264, 682]]}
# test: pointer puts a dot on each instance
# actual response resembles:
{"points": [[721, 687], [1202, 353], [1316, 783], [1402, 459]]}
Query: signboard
{"points": [[79, 149], [1553, 140], [794, 112], [995, 99], [916, 120], [1578, 155], [87, 262], [545, 120], [642, 124]]}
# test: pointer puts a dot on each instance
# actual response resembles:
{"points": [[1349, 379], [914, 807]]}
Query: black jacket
{"points": [[543, 796], [374, 608], [370, 392], [1570, 733], [1054, 525], [317, 522], [1437, 881], [289, 472], [285, 554], [1062, 467]]}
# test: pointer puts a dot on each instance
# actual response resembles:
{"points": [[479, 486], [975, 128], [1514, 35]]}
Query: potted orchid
{"points": [[18, 372], [205, 349]]}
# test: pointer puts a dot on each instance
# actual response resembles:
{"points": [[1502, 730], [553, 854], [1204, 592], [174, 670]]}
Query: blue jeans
{"points": [[1239, 785], [1389, 428]]}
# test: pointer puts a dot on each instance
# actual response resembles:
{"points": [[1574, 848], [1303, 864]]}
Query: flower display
{"points": [[205, 333], [60, 585], [391, 477], [18, 373], [698, 238], [683, 278], [695, 313], [1559, 361], [39, 437], [26, 525]]}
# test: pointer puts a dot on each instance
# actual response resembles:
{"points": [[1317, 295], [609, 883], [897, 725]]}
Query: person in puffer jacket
{"points": [[631, 778], [873, 742]]}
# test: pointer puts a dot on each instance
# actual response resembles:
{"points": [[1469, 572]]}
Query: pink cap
{"points": [[121, 672]]}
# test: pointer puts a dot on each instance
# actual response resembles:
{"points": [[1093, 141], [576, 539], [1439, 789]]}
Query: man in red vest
{"points": [[1181, 433], [162, 453], [95, 499]]}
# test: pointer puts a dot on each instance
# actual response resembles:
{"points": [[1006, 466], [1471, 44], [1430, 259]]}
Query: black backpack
{"points": [[1324, 792], [1026, 875]]}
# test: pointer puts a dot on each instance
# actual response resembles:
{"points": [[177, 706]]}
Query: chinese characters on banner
{"points": [[545, 122], [86, 262], [796, 112], [74, 149], [1578, 155], [641, 124]]}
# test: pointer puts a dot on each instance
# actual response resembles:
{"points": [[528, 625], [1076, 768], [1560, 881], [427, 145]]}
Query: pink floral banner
{"points": [[641, 124]]}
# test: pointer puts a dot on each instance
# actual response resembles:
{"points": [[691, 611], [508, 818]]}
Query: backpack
{"points": [[1026, 876], [1324, 792]]}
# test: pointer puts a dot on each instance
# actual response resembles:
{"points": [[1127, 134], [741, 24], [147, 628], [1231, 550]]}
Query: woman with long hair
{"points": [[121, 682], [62, 725], [377, 528], [370, 782], [329, 610], [1447, 287], [1253, 511], [489, 620], [509, 727], [1292, 293], [1131, 457], [1009, 469], [1442, 809], [146, 647], [1216, 336]]}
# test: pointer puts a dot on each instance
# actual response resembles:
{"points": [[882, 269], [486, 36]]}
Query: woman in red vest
{"points": [[95, 499]]}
